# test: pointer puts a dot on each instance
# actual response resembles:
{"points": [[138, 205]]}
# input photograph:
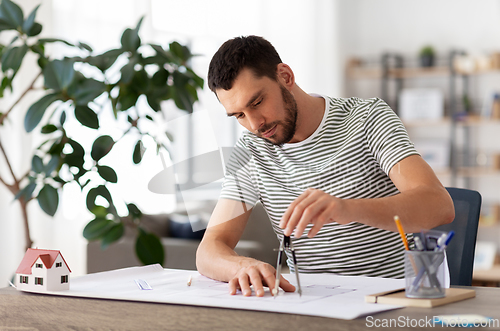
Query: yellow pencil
{"points": [[401, 232]]}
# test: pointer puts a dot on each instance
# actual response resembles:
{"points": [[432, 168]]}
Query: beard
{"points": [[289, 124]]}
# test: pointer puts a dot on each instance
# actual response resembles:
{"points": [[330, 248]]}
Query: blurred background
{"points": [[437, 63]]}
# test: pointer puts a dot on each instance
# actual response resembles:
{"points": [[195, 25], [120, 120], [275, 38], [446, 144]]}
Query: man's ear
{"points": [[285, 75]]}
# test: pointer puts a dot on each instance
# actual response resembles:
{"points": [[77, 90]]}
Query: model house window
{"points": [[39, 265], [23, 279], [38, 281], [64, 279], [58, 264]]}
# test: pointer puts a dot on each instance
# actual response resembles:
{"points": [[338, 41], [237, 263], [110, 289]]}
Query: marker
{"points": [[401, 232], [418, 244], [189, 280], [442, 245]]}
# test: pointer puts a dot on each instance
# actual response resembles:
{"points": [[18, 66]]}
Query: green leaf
{"points": [[36, 111], [28, 23], [58, 74], [130, 38], [26, 192], [148, 248], [37, 164], [76, 157], [100, 211], [35, 30], [169, 136], [87, 117], [93, 193], [13, 58], [138, 152], [127, 72], [105, 60], [11, 14], [83, 90], [127, 98], [62, 119], [112, 235], [49, 128], [182, 52], [48, 199], [85, 47], [107, 173], [183, 99], [52, 165], [134, 211], [97, 228], [101, 146]]}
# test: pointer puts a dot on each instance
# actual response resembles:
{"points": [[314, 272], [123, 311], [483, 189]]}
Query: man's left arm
{"points": [[423, 203]]}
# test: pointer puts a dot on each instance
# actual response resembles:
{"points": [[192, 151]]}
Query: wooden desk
{"points": [[22, 311]]}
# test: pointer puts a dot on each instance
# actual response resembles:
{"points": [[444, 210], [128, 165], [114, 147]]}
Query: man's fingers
{"points": [[288, 213], [286, 285], [302, 215], [245, 285], [233, 286], [256, 280]]}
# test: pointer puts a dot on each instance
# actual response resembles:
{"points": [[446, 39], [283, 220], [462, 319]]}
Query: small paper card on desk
{"points": [[398, 297]]}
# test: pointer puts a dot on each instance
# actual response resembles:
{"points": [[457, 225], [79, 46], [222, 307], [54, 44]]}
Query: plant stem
{"points": [[2, 118], [14, 189]]}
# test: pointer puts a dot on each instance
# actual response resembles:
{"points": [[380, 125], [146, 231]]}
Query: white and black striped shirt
{"points": [[348, 156]]}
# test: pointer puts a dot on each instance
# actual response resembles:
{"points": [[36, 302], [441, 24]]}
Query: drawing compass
{"points": [[286, 244]]}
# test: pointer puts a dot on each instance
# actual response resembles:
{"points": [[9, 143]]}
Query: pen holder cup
{"points": [[424, 274]]}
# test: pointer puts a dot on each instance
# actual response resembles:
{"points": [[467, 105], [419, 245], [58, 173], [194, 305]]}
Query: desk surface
{"points": [[23, 311]]}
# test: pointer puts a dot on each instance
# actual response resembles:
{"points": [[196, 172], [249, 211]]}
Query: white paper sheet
{"points": [[322, 294]]}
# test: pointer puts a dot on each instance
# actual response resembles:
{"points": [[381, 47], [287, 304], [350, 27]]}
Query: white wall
{"points": [[371, 27]]}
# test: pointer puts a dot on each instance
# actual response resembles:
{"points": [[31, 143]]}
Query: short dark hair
{"points": [[253, 52]]}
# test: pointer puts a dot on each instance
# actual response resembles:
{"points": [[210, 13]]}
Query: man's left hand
{"points": [[313, 206]]}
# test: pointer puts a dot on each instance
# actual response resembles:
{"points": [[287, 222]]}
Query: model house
{"points": [[42, 270]]}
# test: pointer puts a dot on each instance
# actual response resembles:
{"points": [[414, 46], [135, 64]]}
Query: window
{"points": [[64, 279], [23, 279], [39, 265], [58, 264], [38, 281]]}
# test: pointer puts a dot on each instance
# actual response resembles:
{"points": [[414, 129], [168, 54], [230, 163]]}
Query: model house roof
{"points": [[47, 256]]}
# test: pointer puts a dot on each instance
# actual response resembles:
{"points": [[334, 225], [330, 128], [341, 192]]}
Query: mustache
{"points": [[267, 127]]}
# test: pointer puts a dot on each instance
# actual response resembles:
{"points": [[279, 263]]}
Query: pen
{"points": [[189, 280], [401, 232]]}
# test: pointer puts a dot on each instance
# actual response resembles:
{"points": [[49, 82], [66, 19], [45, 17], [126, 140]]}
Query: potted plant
{"points": [[163, 74], [427, 56]]}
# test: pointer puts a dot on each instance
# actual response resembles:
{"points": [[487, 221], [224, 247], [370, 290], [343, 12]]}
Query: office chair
{"points": [[460, 251]]}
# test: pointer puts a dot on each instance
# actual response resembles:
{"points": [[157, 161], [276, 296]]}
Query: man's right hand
{"points": [[258, 274]]}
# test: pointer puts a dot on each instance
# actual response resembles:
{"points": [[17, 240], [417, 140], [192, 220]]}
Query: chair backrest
{"points": [[460, 251]]}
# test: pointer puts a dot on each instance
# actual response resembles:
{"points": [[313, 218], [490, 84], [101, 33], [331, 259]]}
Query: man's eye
{"points": [[240, 116], [258, 103]]}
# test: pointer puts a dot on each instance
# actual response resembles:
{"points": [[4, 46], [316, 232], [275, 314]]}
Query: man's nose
{"points": [[256, 121]]}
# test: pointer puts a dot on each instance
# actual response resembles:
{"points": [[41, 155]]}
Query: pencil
{"points": [[401, 232], [190, 279]]}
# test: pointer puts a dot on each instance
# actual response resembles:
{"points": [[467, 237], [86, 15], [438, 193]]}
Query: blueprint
{"points": [[323, 295]]}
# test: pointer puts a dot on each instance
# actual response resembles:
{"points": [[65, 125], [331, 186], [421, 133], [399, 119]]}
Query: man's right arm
{"points": [[216, 258]]}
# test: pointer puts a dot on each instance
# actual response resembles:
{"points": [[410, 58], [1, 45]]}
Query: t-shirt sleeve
{"points": [[386, 136], [238, 183]]}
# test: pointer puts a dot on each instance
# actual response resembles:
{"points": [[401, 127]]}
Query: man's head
{"points": [[252, 52], [255, 87]]}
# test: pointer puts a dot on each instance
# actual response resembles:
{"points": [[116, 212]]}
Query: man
{"points": [[332, 172]]}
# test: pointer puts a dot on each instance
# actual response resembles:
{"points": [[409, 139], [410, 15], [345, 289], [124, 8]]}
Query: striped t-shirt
{"points": [[348, 156]]}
